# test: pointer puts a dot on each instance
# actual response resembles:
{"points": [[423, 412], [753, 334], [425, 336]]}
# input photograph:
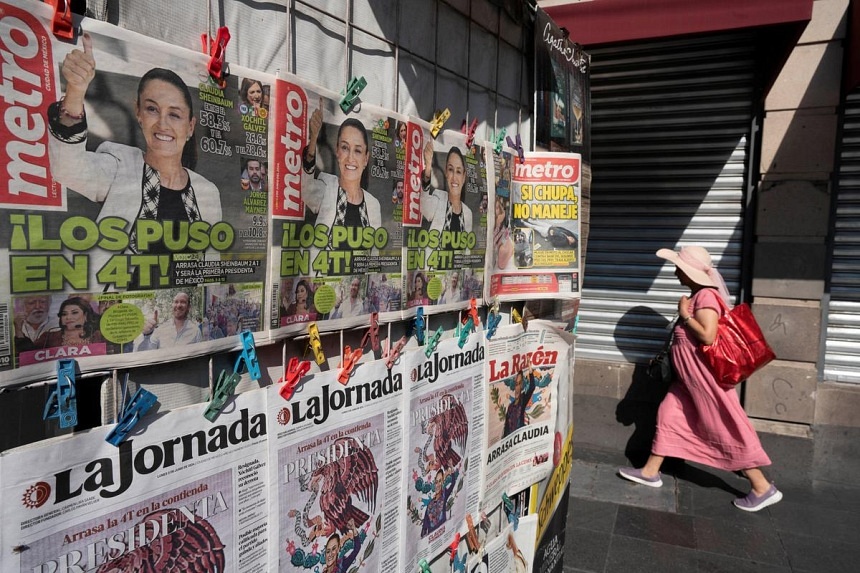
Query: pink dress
{"points": [[698, 419]]}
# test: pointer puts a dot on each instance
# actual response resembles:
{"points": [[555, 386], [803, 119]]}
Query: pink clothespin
{"points": [[518, 145], [295, 370], [394, 352], [350, 359], [217, 51], [470, 131], [372, 333]]}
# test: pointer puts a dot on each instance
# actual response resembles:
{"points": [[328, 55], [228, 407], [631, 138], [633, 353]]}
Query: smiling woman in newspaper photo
{"points": [[156, 183], [446, 213]]}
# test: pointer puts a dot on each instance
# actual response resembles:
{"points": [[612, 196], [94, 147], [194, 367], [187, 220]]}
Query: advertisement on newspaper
{"points": [[125, 168], [446, 247], [523, 370], [183, 493], [445, 434], [338, 209], [537, 255], [336, 459]]}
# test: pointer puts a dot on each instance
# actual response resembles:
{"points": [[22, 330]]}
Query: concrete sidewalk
{"points": [[690, 525]]}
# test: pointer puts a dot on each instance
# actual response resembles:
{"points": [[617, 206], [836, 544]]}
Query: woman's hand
{"points": [[428, 160], [684, 307], [314, 128], [79, 69]]}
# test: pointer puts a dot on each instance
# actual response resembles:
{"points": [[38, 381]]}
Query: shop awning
{"points": [[608, 21]]}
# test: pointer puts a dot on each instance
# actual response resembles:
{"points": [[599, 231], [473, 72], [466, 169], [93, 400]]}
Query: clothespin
{"points": [[224, 388], [575, 323], [420, 325], [455, 545], [439, 119], [458, 564], [353, 90], [295, 370], [63, 403], [139, 405], [248, 356], [394, 351], [217, 50], [517, 317], [500, 140], [315, 343], [472, 313], [508, 505], [463, 332], [469, 131], [61, 24], [424, 567], [433, 342], [472, 541], [518, 146], [372, 334], [350, 359], [493, 318]]}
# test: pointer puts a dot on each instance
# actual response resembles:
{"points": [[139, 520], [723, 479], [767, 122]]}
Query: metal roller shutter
{"points": [[842, 347], [671, 145]]}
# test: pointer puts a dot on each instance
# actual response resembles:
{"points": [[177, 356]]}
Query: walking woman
{"points": [[699, 420]]}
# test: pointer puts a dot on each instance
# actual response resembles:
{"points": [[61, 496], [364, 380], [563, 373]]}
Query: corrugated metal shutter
{"points": [[842, 349], [671, 140]]}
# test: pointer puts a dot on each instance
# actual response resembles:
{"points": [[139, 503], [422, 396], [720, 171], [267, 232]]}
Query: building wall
{"points": [[798, 160]]}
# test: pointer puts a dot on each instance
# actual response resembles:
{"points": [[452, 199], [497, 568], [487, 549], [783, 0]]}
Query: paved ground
{"points": [[689, 525]]}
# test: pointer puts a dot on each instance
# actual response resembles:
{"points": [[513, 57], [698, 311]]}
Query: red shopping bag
{"points": [[739, 349]]}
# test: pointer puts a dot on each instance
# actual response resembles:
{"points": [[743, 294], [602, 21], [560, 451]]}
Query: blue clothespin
{"points": [[424, 567], [63, 403], [419, 325], [508, 506], [434, 342], [248, 356], [463, 332], [458, 564], [493, 320], [518, 146], [439, 119], [139, 405], [353, 90], [500, 140], [224, 388], [575, 324]]}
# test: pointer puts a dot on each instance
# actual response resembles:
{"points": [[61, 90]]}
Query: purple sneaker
{"points": [[753, 502], [633, 474]]}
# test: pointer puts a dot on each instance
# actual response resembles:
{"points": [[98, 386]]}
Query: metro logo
{"points": [[291, 120], [412, 178], [549, 169], [26, 89]]}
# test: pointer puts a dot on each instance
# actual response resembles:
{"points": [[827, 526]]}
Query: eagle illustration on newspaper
{"points": [[193, 546], [339, 484], [446, 429]]}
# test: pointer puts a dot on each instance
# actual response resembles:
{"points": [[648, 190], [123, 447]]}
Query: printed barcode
{"points": [[4, 329]]}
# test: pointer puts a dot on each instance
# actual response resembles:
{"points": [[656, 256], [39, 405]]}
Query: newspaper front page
{"points": [[336, 453], [183, 494]]}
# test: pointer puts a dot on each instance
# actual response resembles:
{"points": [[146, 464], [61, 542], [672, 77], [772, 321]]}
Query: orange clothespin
{"points": [[470, 131], [217, 51], [350, 359], [372, 334], [472, 313], [472, 535], [394, 352], [295, 370], [61, 24]]}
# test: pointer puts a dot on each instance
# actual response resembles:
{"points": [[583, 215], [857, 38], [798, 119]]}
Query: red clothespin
{"points": [[518, 145], [295, 370], [61, 24], [470, 131], [472, 313], [394, 352], [350, 359], [217, 50], [455, 545], [372, 334]]}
